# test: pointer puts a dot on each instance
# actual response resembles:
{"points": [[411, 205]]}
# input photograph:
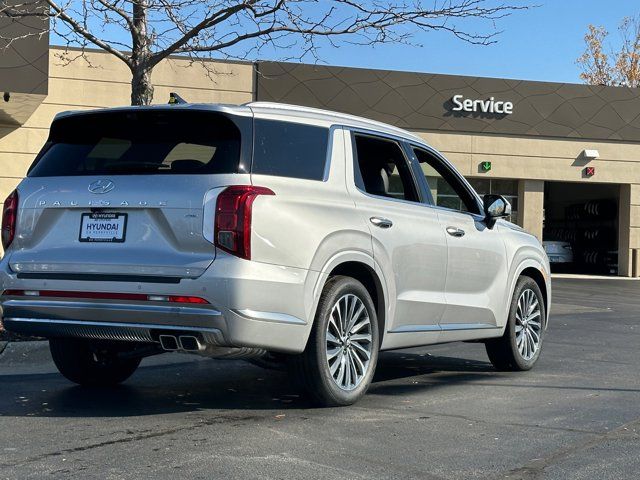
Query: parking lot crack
{"points": [[508, 424], [536, 468], [125, 440]]}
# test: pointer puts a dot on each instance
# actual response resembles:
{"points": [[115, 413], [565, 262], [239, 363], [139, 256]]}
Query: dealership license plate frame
{"points": [[85, 237]]}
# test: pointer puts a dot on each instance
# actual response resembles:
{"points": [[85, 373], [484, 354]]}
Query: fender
{"points": [[516, 271], [336, 260]]}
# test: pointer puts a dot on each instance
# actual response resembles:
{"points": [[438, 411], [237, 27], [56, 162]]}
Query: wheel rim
{"points": [[528, 324], [348, 342]]}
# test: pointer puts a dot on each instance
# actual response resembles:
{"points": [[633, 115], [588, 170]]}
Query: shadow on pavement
{"points": [[227, 385]]}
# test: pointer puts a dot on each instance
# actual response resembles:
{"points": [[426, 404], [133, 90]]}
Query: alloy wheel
{"points": [[348, 342], [528, 324]]}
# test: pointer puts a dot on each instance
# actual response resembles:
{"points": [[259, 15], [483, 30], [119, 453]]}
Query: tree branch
{"points": [[85, 33], [240, 28]]}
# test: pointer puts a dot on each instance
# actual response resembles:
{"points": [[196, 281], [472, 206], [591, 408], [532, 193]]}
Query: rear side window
{"points": [[289, 149], [144, 142], [381, 169]]}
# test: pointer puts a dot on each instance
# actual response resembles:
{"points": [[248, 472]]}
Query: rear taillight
{"points": [[9, 218], [233, 218]]}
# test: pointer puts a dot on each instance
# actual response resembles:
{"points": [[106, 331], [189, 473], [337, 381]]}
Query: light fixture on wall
{"points": [[590, 154]]}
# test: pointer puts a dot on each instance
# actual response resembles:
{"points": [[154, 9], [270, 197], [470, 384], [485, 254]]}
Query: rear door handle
{"points": [[381, 222], [455, 231]]}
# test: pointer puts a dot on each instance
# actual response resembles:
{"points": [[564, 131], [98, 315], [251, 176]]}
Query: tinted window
{"points": [[290, 150], [381, 168], [145, 142]]}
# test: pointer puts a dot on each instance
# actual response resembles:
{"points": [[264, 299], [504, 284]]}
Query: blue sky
{"points": [[539, 44]]}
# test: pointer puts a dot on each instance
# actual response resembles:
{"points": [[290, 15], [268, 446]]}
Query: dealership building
{"points": [[566, 155]]}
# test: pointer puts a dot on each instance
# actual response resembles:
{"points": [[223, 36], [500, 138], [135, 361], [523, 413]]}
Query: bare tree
{"points": [[142, 33], [618, 67]]}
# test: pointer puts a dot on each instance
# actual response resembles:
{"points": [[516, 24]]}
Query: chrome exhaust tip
{"points": [[169, 343], [189, 343]]}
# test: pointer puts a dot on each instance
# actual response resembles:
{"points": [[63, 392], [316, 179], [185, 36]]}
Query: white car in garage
{"points": [[558, 252]]}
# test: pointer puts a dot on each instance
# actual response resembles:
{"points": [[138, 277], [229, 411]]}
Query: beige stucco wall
{"points": [[539, 158], [104, 82], [531, 201]]}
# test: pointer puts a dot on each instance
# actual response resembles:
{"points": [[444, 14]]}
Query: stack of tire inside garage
{"points": [[591, 229]]}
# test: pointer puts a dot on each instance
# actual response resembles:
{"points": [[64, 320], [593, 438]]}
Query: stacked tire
{"points": [[591, 229]]}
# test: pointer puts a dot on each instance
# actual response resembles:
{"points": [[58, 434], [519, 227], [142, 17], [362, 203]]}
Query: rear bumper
{"points": [[145, 323], [125, 332], [109, 312], [250, 305]]}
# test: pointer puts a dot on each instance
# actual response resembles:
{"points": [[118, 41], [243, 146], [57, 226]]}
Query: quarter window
{"points": [[381, 168], [287, 149]]}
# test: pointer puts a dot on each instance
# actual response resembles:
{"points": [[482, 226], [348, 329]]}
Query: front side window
{"points": [[288, 149], [446, 189], [381, 168]]}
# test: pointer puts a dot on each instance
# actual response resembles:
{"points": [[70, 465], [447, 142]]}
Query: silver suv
{"points": [[282, 234]]}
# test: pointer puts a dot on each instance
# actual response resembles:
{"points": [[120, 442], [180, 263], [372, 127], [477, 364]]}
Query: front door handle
{"points": [[455, 231], [381, 222]]}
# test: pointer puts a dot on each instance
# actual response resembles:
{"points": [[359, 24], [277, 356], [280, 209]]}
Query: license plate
{"points": [[103, 227]]}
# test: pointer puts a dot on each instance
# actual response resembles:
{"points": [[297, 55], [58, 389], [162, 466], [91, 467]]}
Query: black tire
{"points": [[311, 368], [91, 364], [503, 352]]}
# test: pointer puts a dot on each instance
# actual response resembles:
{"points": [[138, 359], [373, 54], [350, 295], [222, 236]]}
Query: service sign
{"points": [[490, 105]]}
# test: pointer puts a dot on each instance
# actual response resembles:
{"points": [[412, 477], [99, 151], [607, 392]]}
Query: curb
{"points": [[576, 276]]}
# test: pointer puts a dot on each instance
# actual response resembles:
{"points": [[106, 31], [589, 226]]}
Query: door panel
{"points": [[475, 287], [476, 273], [413, 253], [408, 244]]}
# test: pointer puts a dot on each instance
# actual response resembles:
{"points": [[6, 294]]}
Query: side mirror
{"points": [[495, 206]]}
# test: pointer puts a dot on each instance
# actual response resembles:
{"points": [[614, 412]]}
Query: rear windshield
{"points": [[145, 142]]}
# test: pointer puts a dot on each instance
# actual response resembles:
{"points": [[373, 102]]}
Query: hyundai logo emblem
{"points": [[101, 186]]}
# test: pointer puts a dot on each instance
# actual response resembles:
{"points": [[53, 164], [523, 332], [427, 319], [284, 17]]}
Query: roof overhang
{"points": [[423, 102]]}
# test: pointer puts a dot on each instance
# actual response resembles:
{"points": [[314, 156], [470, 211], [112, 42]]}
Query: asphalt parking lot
{"points": [[439, 412]]}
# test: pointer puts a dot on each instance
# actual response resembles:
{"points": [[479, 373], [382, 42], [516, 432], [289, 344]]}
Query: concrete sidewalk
{"points": [[580, 276]]}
